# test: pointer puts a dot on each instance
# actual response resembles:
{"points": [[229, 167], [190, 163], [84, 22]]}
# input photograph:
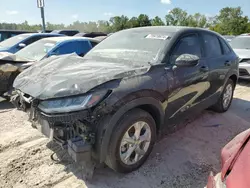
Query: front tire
{"points": [[226, 97], [132, 141]]}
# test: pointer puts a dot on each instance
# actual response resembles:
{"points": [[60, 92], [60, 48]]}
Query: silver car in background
{"points": [[229, 38], [241, 46]]}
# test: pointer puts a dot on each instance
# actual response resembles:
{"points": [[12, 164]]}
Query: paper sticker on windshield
{"points": [[159, 37]]}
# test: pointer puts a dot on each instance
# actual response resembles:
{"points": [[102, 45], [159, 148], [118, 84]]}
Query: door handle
{"points": [[227, 63], [204, 69]]}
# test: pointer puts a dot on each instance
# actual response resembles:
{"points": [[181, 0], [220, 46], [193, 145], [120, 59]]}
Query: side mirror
{"points": [[21, 45], [187, 60]]}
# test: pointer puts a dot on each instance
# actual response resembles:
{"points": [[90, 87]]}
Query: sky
{"points": [[68, 11]]}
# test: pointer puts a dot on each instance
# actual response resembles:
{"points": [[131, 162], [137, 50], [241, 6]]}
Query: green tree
{"points": [[104, 26], [197, 20], [144, 20], [133, 22], [119, 23], [177, 17], [231, 21], [50, 26], [157, 21]]}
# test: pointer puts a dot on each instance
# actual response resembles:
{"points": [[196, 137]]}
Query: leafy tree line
{"points": [[229, 21]]}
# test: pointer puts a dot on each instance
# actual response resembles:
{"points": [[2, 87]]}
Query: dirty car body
{"points": [[38, 51], [109, 105], [235, 164]]}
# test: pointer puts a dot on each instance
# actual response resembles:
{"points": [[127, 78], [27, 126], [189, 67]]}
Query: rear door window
{"points": [[212, 45]]}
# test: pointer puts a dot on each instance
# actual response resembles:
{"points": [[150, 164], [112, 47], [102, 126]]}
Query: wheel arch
{"points": [[234, 78], [105, 129]]}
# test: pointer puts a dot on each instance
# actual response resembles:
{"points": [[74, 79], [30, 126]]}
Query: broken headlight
{"points": [[71, 104]]}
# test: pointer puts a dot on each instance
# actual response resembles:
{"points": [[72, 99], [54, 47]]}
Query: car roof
{"points": [[39, 34], [68, 38], [171, 29]]}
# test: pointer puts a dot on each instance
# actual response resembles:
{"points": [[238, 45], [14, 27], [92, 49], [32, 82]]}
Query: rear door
{"points": [[187, 85], [218, 59]]}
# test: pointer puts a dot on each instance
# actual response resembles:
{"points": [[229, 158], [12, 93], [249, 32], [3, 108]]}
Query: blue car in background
{"points": [[16, 43], [47, 47]]}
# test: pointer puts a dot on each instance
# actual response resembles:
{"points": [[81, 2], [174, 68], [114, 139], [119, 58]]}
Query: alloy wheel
{"points": [[135, 143], [227, 96]]}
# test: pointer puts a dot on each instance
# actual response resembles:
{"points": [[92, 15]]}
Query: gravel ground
{"points": [[181, 159]]}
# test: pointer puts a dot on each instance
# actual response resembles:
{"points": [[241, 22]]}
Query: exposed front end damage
{"points": [[74, 131]]}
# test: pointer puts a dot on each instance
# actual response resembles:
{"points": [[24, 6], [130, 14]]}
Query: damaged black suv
{"points": [[111, 105]]}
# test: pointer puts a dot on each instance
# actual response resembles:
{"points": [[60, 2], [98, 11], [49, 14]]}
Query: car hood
{"points": [[243, 53], [67, 75]]}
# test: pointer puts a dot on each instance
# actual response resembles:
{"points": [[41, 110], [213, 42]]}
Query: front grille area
{"points": [[243, 72], [66, 118]]}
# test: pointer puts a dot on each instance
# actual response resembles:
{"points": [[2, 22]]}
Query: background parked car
{"points": [[228, 37], [66, 32], [241, 46], [101, 38], [92, 34], [39, 50], [5, 34], [16, 43], [127, 90], [235, 159], [57, 46]]}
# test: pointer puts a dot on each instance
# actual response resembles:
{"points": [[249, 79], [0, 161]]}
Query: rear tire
{"points": [[127, 152], [226, 98]]}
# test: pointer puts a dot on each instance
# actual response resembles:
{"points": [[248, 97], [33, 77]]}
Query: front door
{"points": [[187, 85]]}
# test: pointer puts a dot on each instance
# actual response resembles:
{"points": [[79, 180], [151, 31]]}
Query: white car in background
{"points": [[229, 38], [241, 46]]}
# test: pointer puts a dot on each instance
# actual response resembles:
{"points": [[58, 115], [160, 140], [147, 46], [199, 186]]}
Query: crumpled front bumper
{"points": [[70, 130]]}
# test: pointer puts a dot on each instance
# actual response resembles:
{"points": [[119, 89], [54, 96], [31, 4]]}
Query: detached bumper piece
{"points": [[79, 149]]}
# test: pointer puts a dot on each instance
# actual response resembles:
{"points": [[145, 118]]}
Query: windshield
{"points": [[137, 46], [241, 43], [13, 40], [37, 50]]}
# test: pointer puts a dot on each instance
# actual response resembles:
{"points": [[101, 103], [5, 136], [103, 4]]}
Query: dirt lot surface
{"points": [[182, 159]]}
